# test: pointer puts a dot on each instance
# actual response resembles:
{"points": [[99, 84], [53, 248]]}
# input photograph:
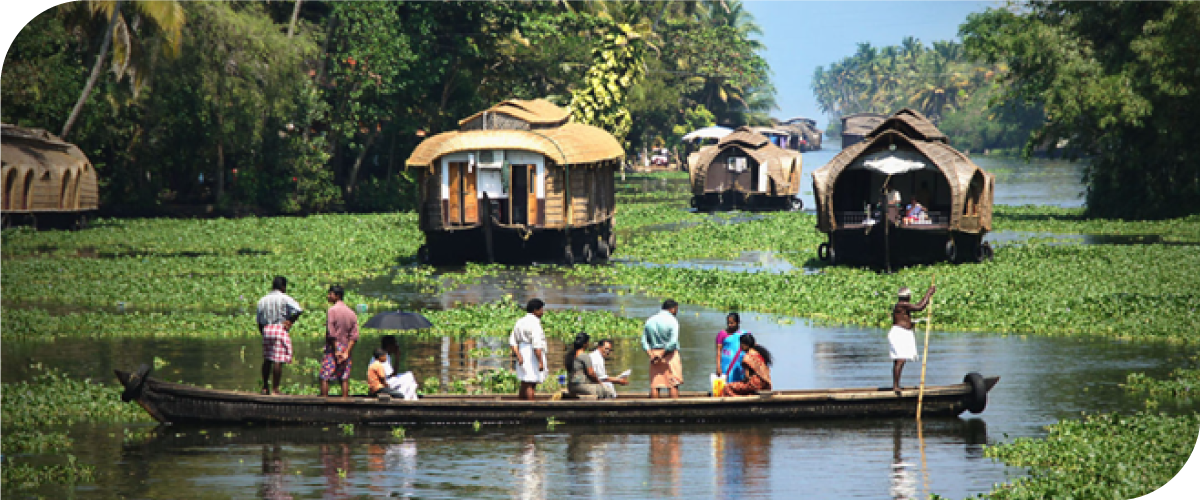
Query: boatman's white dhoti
{"points": [[530, 370], [903, 343]]}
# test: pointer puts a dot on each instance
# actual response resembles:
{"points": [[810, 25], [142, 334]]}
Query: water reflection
{"points": [[530, 470], [274, 480], [850, 458]]}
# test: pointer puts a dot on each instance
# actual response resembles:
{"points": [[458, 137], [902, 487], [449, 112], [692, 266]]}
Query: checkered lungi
{"points": [[330, 369], [277, 344]]}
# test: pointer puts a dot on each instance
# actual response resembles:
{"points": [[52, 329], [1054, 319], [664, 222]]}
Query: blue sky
{"points": [[801, 35]]}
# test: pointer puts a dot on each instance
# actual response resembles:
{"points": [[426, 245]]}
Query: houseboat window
{"points": [[491, 182], [737, 164], [487, 156]]}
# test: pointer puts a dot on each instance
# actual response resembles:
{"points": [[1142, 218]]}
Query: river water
{"points": [[1043, 380]]}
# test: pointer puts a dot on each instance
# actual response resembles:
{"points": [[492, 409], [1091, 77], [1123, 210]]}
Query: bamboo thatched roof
{"points": [[861, 123], [37, 148], [780, 163], [566, 143], [913, 124], [535, 112], [929, 142]]}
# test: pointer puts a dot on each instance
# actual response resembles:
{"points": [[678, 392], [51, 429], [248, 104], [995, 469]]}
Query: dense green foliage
{"points": [[1117, 81], [941, 82], [1099, 456], [241, 113]]}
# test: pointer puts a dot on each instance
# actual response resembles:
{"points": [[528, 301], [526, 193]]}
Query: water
{"points": [[1043, 380]]}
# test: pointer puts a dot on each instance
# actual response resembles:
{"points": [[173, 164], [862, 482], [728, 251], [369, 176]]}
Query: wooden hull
{"points": [[184, 404]]}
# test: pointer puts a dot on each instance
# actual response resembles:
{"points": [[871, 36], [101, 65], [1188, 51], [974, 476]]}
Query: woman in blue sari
{"points": [[729, 351]]}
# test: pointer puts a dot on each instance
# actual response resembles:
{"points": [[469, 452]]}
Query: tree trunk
{"points": [[295, 17], [91, 82], [353, 178]]}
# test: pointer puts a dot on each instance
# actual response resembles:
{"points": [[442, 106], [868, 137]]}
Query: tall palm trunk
{"points": [[91, 82]]}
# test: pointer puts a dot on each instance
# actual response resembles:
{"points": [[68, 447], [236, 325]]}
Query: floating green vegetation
{"points": [[1071, 221], [53, 398], [1099, 456], [26, 476], [493, 319], [1181, 384], [31, 409]]}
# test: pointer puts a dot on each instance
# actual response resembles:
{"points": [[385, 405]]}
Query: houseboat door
{"points": [[524, 194], [462, 207]]}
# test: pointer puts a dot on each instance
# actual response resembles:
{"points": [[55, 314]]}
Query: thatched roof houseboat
{"points": [[864, 192], [517, 182], [47, 181], [745, 170], [807, 135]]}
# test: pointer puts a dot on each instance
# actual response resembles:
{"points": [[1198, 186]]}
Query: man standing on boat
{"points": [[341, 333], [276, 313], [660, 340], [528, 344], [901, 339]]}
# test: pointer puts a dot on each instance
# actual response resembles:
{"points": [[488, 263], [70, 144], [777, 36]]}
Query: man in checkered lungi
{"points": [[276, 314], [341, 332]]}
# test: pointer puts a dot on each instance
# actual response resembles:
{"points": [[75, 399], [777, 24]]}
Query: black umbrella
{"points": [[396, 320]]}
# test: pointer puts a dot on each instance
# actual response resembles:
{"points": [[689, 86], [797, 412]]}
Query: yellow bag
{"points": [[718, 384]]}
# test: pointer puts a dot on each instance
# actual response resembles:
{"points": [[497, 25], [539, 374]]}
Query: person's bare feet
{"points": [[265, 392]]}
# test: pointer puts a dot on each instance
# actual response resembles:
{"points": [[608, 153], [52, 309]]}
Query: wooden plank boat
{"points": [[186, 404]]}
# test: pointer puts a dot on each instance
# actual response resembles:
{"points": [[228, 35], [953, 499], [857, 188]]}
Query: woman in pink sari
{"points": [[756, 363]]}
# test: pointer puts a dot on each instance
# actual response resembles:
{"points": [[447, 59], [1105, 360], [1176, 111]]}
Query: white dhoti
{"points": [[530, 370], [903, 343]]}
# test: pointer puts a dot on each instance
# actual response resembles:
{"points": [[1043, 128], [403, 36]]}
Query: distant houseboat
{"points": [[517, 183], [47, 182], [862, 195], [807, 137], [745, 170], [856, 127]]}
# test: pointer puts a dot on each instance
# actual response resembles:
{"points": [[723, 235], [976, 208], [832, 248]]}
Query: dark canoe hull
{"points": [[184, 404]]}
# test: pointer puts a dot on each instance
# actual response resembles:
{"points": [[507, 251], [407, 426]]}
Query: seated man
{"points": [[603, 350], [378, 373]]}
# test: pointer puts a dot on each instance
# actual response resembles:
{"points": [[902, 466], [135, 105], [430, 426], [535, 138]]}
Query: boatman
{"points": [[528, 344], [660, 340], [341, 333], [276, 313], [901, 339]]}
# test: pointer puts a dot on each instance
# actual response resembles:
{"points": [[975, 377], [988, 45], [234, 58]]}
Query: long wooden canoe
{"points": [[187, 404]]}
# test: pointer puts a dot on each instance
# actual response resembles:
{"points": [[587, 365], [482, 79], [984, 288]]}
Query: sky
{"points": [[801, 35]]}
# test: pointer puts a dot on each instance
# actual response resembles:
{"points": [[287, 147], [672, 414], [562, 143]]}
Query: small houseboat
{"points": [[864, 195], [807, 137], [47, 182], [517, 182], [856, 127], [745, 170]]}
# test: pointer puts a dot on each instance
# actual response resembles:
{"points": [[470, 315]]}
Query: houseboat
{"points": [[864, 195], [807, 137], [517, 183], [745, 170], [47, 182]]}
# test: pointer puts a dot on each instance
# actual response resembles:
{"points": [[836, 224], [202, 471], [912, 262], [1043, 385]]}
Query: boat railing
{"points": [[854, 218]]}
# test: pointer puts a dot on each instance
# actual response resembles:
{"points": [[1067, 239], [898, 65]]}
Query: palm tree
{"points": [[165, 16]]}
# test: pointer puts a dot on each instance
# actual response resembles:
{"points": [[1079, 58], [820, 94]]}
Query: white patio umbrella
{"points": [[713, 132], [891, 163]]}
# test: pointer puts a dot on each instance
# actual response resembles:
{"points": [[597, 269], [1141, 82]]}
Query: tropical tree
{"points": [[1118, 82], [130, 58]]}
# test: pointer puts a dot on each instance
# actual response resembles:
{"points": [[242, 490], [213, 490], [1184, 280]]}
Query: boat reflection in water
{"points": [[872, 458]]}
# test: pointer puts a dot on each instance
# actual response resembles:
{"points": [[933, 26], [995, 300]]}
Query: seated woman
{"points": [[582, 379], [756, 364]]}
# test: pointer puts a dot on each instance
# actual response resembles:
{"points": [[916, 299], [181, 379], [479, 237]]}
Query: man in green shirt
{"points": [[660, 340]]}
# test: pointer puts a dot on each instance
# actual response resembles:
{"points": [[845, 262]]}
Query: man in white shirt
{"points": [[603, 350], [528, 344]]}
